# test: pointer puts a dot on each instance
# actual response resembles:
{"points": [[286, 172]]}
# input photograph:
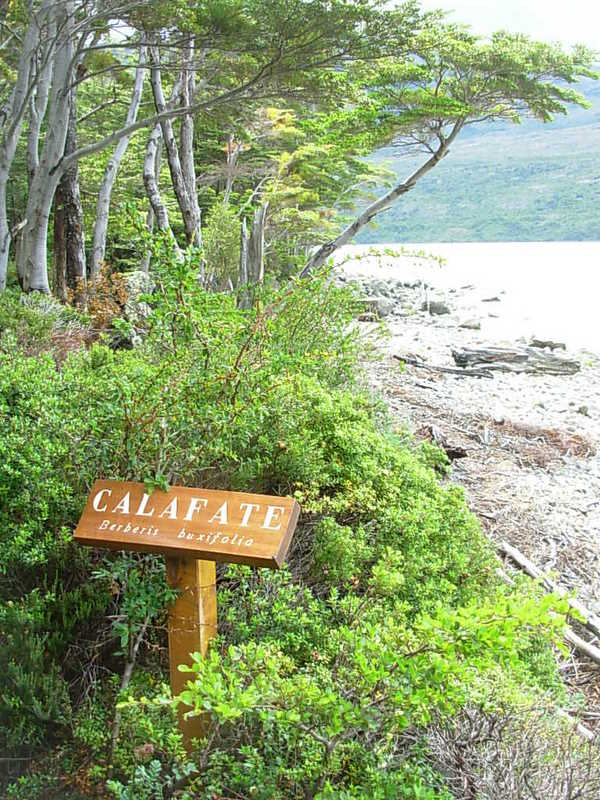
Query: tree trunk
{"points": [[151, 180], [73, 216], [233, 152], [37, 111], [322, 253], [150, 229], [11, 130], [252, 256], [244, 294], [525, 359], [256, 246], [4, 233], [60, 248], [185, 201], [110, 173], [32, 262], [187, 144]]}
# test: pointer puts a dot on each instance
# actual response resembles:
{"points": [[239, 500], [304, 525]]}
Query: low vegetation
{"points": [[329, 678]]}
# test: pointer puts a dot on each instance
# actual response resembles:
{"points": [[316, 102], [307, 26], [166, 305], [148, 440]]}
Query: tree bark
{"points": [[526, 359], [233, 152], [59, 248], [37, 111], [73, 216], [110, 173], [251, 270], [151, 180], [244, 294], [256, 246], [320, 256], [151, 216], [4, 231], [187, 143], [32, 262]]}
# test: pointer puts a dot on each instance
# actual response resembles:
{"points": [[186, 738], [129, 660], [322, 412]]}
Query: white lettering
{"points": [[104, 525], [141, 512], [249, 542], [170, 510], [122, 506], [98, 498], [181, 534], [196, 504], [248, 509], [272, 515], [221, 514]]}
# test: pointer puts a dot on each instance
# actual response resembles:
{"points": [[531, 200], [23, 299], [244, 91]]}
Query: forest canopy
{"points": [[252, 115]]}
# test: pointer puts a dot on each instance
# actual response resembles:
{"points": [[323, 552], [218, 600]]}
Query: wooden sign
{"points": [[192, 528], [198, 523]]}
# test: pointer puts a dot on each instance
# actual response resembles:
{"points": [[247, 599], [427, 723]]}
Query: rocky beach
{"points": [[525, 445]]}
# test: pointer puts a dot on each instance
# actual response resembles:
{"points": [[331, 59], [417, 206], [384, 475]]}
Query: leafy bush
{"points": [[389, 612], [221, 244]]}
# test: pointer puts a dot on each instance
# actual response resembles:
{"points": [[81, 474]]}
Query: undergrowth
{"points": [[327, 675]]}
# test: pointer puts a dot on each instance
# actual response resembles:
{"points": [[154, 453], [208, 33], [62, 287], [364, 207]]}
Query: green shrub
{"points": [[389, 612], [340, 551], [221, 244]]}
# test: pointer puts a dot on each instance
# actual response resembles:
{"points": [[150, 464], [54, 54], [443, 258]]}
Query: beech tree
{"points": [[227, 52], [30, 65], [110, 173], [353, 76], [456, 80]]}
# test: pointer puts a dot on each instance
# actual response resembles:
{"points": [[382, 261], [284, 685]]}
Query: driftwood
{"points": [[452, 449], [463, 373], [549, 343], [525, 359], [582, 730], [585, 616], [569, 635]]}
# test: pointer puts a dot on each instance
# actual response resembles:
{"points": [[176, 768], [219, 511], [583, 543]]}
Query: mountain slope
{"points": [[503, 182]]}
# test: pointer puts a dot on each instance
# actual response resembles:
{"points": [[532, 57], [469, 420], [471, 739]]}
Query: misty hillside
{"points": [[505, 182]]}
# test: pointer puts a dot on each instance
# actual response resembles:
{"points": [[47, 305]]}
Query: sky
{"points": [[575, 21]]}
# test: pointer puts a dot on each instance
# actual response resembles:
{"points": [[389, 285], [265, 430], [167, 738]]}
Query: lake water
{"points": [[548, 289]]}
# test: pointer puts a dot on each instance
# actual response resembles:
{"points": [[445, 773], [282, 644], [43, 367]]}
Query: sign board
{"points": [[189, 523], [192, 528]]}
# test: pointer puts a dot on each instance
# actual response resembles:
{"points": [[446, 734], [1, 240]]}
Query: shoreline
{"points": [[547, 289], [525, 448]]}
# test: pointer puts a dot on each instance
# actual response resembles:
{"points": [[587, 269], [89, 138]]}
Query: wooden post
{"points": [[192, 624], [192, 528]]}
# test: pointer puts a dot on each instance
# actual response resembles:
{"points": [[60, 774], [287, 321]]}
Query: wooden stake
{"points": [[192, 624]]}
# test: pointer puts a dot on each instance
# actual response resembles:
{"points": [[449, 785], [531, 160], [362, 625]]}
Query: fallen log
{"points": [[526, 359], [585, 616], [569, 635], [547, 343], [582, 730], [463, 373], [452, 449]]}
